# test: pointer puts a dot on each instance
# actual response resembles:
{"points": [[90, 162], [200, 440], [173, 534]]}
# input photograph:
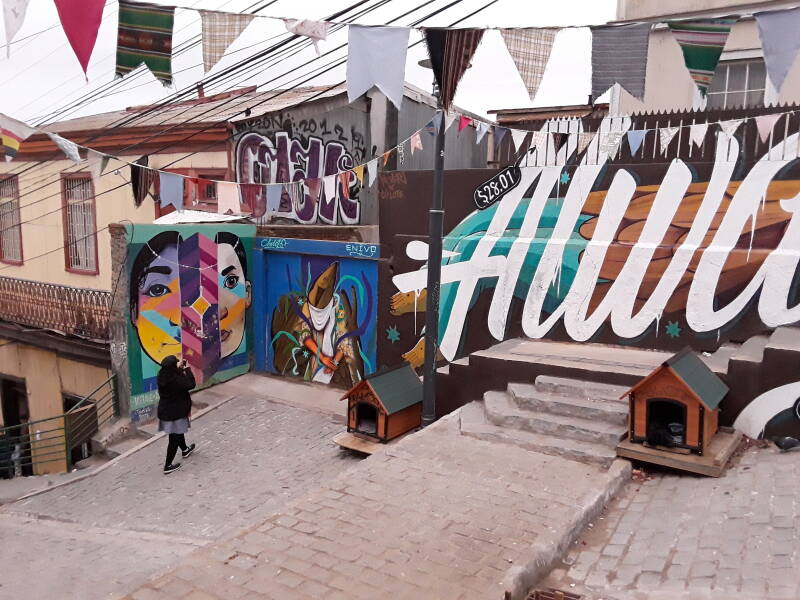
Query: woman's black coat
{"points": [[174, 401]]}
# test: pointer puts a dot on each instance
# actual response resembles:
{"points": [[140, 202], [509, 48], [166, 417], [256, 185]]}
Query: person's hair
{"points": [[149, 252], [169, 362], [226, 237]]}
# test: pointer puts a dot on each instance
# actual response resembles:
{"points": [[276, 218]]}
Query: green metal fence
{"points": [[47, 445]]}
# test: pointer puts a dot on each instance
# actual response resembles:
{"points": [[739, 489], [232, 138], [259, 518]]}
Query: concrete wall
{"points": [[47, 377], [42, 217], [645, 9]]}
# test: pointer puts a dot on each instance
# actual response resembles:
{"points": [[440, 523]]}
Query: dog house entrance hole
{"points": [[366, 419], [666, 422]]}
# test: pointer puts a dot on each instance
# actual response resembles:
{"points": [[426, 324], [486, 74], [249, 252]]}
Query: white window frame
{"points": [[10, 226], [734, 57], [80, 224]]}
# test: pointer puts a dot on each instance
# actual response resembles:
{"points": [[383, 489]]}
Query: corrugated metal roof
{"points": [[203, 111]]}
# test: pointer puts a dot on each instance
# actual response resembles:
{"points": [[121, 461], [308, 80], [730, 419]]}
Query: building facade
{"points": [[740, 80]]}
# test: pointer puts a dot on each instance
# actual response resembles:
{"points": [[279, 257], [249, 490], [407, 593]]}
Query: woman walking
{"points": [[175, 380]]}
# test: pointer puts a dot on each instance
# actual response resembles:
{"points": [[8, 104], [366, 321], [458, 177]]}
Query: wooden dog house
{"points": [[677, 405], [385, 405]]}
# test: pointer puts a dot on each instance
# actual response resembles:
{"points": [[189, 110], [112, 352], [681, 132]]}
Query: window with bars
{"points": [[738, 84], [80, 239], [10, 229]]}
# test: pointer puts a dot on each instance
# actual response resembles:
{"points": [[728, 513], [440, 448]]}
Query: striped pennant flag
{"points": [[145, 36], [702, 41], [12, 134]]}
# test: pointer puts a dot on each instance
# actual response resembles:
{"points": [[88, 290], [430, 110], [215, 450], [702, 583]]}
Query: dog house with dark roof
{"points": [[385, 405], [677, 405]]}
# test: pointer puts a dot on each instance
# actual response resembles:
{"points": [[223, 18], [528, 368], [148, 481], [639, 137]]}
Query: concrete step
{"points": [[752, 351], [718, 360], [502, 410], [783, 345], [124, 445], [578, 387], [603, 363], [475, 424], [582, 403]]}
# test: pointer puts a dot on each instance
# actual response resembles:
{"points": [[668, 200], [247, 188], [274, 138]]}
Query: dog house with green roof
{"points": [[385, 405]]}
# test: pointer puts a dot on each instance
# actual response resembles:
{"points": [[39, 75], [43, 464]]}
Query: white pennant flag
{"points": [[729, 127], [316, 31], [13, 17], [519, 135], [376, 56], [609, 142], [666, 134], [480, 131], [697, 133], [329, 185], [449, 120], [220, 30], [66, 146], [97, 163], [584, 139], [539, 139], [765, 124], [372, 170]]}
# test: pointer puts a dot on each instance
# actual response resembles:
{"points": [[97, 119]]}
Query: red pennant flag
{"points": [[81, 20], [463, 123]]}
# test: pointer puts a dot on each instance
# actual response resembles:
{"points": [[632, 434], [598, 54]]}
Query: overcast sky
{"points": [[43, 74]]}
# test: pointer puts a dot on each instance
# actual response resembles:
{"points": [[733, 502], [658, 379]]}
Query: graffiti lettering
{"points": [[675, 254], [274, 243], [362, 250], [497, 187]]}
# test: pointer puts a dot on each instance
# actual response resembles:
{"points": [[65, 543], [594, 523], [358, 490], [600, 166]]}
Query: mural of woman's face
{"points": [[158, 314], [234, 298]]}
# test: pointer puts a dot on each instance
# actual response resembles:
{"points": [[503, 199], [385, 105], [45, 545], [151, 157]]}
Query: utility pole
{"points": [[435, 232]]}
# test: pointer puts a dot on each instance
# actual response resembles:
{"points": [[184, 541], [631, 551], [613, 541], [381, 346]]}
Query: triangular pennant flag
{"points": [[518, 136], [697, 133], [559, 139], [228, 198], [480, 131], [539, 139], [372, 170], [765, 125], [530, 50], [81, 21], [729, 127], [584, 139], [463, 123], [609, 142], [97, 163], [344, 179], [499, 134], [619, 55], [144, 36], [316, 31], [416, 142], [12, 134], [437, 121], [386, 156], [401, 153], [274, 197], [635, 139], [449, 119], [702, 41], [69, 148], [359, 171], [376, 56], [329, 186], [141, 179], [13, 17], [220, 30], [779, 41], [450, 52], [665, 135], [170, 190]]}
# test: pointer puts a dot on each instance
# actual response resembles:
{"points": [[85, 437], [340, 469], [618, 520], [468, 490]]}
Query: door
{"points": [[15, 451]]}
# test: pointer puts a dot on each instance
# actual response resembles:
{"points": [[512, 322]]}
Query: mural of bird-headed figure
{"points": [[316, 332]]}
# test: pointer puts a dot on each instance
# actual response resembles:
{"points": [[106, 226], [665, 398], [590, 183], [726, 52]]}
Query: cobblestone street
{"points": [[130, 522], [686, 537], [438, 515]]}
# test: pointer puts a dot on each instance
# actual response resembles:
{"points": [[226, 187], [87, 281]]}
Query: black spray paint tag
{"points": [[498, 186]]}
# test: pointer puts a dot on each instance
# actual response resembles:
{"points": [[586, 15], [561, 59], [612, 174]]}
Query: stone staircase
{"points": [[577, 419]]}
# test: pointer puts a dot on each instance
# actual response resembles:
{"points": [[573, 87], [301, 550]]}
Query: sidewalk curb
{"points": [[114, 460], [546, 553]]}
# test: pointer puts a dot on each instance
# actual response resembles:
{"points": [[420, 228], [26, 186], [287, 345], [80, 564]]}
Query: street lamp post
{"points": [[435, 232]]}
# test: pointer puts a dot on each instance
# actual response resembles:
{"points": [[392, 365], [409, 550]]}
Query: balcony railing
{"points": [[73, 311]]}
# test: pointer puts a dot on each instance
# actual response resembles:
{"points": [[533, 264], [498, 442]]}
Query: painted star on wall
{"points": [[392, 334], [564, 178], [673, 329]]}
